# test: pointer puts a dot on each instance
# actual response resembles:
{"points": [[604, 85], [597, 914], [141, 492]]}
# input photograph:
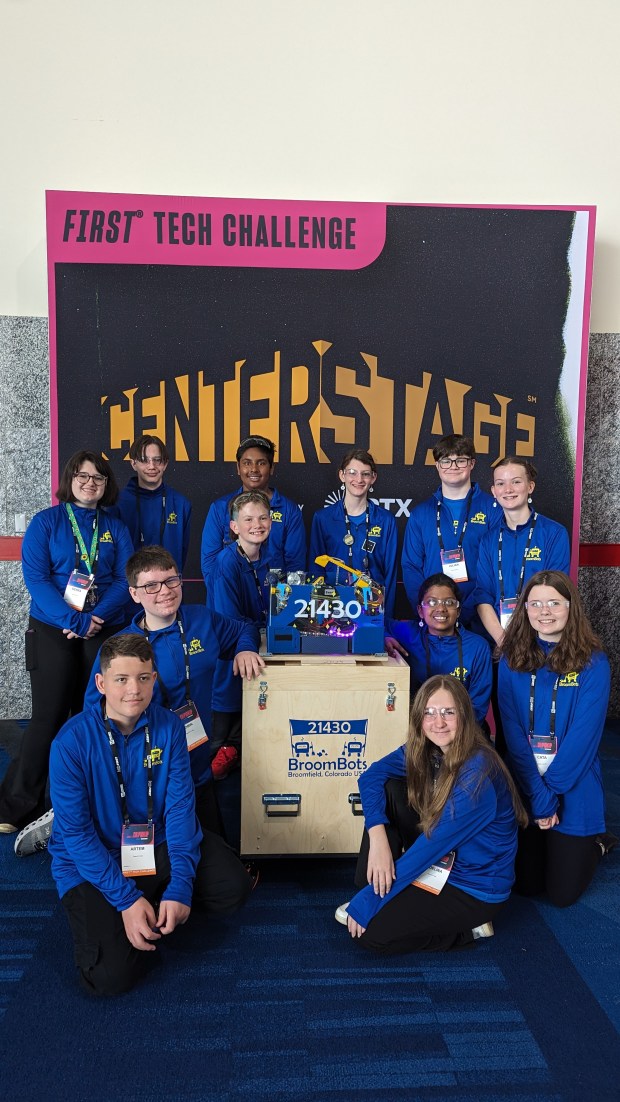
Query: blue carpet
{"points": [[277, 1004]]}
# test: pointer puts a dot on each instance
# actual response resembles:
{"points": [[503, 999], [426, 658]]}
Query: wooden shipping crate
{"points": [[311, 725]]}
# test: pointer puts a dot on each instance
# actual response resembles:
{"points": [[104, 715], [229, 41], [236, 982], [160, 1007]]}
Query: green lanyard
{"points": [[91, 559]]}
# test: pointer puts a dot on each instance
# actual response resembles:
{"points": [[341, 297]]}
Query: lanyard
{"points": [[81, 554], [349, 539], [554, 697], [165, 694], [162, 523], [261, 596], [459, 542], [500, 575], [119, 772], [427, 650]]}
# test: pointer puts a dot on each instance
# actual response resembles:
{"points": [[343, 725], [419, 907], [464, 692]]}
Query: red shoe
{"points": [[225, 760]]}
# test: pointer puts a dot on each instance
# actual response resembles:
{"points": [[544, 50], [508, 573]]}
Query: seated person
{"points": [[439, 645], [441, 814], [126, 848]]}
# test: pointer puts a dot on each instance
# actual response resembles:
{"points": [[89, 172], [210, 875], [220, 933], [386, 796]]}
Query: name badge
{"points": [[506, 609], [194, 730], [138, 849], [434, 879], [453, 564], [544, 749], [77, 589]]}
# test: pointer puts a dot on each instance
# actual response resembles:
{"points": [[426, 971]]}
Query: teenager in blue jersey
{"points": [[155, 514], [238, 589], [444, 806], [554, 690], [438, 644], [73, 561], [287, 540], [356, 530], [443, 534], [123, 764], [523, 543]]}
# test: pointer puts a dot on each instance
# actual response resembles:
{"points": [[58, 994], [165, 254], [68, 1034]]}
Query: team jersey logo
{"points": [[196, 647], [276, 515], [172, 518], [570, 680], [460, 672], [156, 758], [375, 530], [106, 537], [478, 518], [533, 554]]}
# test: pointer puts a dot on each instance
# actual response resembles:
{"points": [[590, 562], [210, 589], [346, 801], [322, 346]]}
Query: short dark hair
{"points": [[454, 444], [139, 446], [361, 455], [71, 468], [438, 579], [126, 645], [260, 442], [148, 558], [518, 461], [250, 496]]}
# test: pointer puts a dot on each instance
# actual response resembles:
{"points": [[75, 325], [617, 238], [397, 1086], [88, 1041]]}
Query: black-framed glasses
{"points": [[173, 582], [459, 461], [84, 478], [447, 602]]}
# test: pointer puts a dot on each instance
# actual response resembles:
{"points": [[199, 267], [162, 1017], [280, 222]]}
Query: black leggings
{"points": [[59, 669], [560, 865]]}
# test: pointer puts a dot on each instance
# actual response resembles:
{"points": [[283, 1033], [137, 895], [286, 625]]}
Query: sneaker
{"points": [[225, 760], [342, 915], [8, 828], [486, 930], [34, 837], [606, 841]]}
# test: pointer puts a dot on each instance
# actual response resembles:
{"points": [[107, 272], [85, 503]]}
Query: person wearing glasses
{"points": [[154, 513], [443, 533], [554, 689], [437, 857], [287, 539], [73, 561], [438, 644], [356, 530]]}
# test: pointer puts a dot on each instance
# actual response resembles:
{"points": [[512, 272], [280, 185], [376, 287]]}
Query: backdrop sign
{"points": [[320, 325]]}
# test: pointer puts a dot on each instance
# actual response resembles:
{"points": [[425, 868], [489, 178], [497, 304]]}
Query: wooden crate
{"points": [[309, 729]]}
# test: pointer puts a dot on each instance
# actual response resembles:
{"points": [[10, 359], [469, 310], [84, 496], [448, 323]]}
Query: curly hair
{"points": [[520, 646]]}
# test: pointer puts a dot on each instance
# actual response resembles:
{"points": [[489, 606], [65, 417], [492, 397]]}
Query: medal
{"points": [[348, 539]]}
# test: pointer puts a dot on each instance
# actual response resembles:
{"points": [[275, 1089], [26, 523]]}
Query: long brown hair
{"points": [[429, 788], [521, 647]]}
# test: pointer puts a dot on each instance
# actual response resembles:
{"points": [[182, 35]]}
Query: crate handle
{"points": [[356, 803], [288, 804]]}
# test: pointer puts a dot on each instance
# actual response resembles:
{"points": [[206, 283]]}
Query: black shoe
{"points": [[607, 841]]}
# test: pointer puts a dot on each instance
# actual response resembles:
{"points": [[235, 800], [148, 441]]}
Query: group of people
{"points": [[136, 831]]}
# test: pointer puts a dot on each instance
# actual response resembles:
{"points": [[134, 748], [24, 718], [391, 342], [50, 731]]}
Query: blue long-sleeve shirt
{"points": [[549, 550], [421, 550], [86, 836], [149, 522], [443, 657], [233, 592], [209, 637], [572, 786], [481, 828], [285, 548], [48, 558], [327, 538]]}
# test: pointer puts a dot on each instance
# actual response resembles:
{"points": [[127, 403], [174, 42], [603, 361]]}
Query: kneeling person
{"points": [[126, 847]]}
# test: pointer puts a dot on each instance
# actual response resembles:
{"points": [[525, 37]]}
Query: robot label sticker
{"points": [[327, 747]]}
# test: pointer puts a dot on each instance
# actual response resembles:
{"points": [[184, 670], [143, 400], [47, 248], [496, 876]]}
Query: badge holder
{"points": [[453, 564], [506, 608], [435, 877], [77, 589], [194, 730], [544, 749], [138, 849]]}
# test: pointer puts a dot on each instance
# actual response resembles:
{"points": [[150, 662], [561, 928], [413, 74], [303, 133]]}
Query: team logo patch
{"points": [[570, 680], [196, 647], [478, 518], [172, 518], [533, 554], [276, 515], [106, 537], [156, 758], [375, 530]]}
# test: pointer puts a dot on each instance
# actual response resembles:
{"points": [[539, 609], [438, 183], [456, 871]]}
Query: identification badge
{"points": [[77, 589], [453, 564], [434, 879], [138, 849], [506, 609], [194, 730], [544, 749], [368, 546]]}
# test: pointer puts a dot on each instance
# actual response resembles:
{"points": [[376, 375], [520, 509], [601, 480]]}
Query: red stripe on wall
{"points": [[599, 554], [10, 548]]}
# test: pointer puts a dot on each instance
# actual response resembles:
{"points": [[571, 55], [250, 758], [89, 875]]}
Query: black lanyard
{"points": [[259, 588], [165, 694], [349, 539], [459, 542], [162, 523], [554, 697], [81, 553], [523, 561], [427, 651], [119, 773]]}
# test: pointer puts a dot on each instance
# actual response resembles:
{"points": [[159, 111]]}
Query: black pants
{"points": [[59, 669], [416, 919], [560, 865], [106, 960], [225, 730]]}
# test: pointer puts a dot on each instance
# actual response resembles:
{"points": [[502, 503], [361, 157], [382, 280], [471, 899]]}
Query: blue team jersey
{"points": [[286, 546], [156, 517], [327, 538]]}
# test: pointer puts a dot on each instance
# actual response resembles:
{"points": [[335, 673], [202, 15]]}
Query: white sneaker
{"points": [[34, 837], [486, 930], [342, 915]]}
